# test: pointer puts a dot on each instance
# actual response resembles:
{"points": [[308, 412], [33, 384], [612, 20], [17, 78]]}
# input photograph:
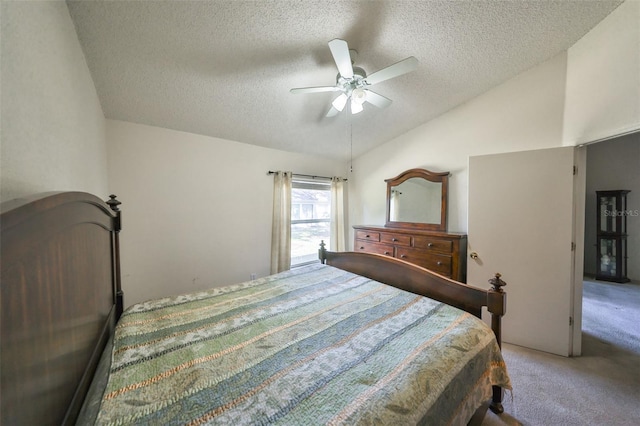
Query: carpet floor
{"points": [[601, 387]]}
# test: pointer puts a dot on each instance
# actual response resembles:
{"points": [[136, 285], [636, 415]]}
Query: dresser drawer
{"points": [[368, 236], [441, 252], [396, 239], [434, 244], [374, 248], [438, 263]]}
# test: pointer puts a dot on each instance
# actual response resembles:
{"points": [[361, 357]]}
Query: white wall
{"points": [[603, 79], [196, 210], [525, 113], [53, 128], [614, 164]]}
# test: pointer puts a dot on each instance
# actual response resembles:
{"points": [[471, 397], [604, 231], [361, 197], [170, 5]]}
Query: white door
{"points": [[521, 223]]}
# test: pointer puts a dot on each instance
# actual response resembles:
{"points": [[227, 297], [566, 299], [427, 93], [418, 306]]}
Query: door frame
{"points": [[579, 214]]}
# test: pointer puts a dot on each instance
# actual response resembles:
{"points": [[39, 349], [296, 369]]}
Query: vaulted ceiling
{"points": [[223, 68]]}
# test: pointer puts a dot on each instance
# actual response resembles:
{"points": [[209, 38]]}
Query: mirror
{"points": [[417, 199]]}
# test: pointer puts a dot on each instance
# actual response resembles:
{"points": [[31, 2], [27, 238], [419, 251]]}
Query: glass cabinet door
{"points": [[607, 214], [608, 257]]}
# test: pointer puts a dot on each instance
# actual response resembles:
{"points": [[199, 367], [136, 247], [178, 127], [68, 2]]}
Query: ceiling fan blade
{"points": [[404, 66], [314, 89], [340, 51], [377, 99], [332, 112]]}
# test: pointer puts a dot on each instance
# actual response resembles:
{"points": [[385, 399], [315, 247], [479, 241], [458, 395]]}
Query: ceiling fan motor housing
{"points": [[349, 84]]}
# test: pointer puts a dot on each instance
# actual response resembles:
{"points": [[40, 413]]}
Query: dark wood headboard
{"points": [[61, 297]]}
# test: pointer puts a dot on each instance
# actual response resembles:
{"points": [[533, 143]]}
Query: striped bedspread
{"points": [[312, 346]]}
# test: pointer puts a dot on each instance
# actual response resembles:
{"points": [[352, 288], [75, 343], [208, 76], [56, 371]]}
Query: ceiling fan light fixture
{"points": [[359, 95], [356, 106], [339, 102]]}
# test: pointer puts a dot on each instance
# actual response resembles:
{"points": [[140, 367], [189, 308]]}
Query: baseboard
{"points": [[592, 277]]}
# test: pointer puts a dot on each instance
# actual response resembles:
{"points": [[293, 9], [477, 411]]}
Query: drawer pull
{"points": [[367, 236], [430, 245], [361, 248], [439, 263], [386, 252], [403, 256], [394, 239]]}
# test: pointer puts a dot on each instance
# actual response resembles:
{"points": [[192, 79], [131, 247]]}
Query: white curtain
{"points": [[281, 228], [337, 215]]}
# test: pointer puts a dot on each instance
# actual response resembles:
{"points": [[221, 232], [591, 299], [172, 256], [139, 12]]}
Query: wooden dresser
{"points": [[442, 252]]}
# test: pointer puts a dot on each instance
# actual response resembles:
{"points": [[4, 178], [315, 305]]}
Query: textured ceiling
{"points": [[224, 68]]}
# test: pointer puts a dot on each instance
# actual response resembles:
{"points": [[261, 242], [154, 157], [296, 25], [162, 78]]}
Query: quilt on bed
{"points": [[312, 346]]}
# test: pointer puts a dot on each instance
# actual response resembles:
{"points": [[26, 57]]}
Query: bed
{"points": [[349, 340]]}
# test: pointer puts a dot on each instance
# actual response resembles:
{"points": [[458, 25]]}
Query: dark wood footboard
{"points": [[418, 280]]}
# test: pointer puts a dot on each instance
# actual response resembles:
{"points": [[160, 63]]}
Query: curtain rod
{"points": [[270, 172]]}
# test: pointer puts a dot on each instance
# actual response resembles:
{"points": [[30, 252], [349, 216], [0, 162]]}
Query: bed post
{"points": [[322, 252], [497, 306], [119, 295]]}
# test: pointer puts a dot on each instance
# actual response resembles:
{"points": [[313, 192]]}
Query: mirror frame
{"points": [[438, 177]]}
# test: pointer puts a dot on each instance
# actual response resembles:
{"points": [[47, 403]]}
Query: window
{"points": [[310, 219]]}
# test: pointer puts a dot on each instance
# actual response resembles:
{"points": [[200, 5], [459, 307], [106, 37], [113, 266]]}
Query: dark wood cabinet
{"points": [[611, 236], [442, 252]]}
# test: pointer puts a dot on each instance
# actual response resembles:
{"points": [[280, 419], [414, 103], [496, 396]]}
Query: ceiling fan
{"points": [[354, 83]]}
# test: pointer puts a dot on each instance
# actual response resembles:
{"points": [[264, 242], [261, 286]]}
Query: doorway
{"points": [[612, 164]]}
